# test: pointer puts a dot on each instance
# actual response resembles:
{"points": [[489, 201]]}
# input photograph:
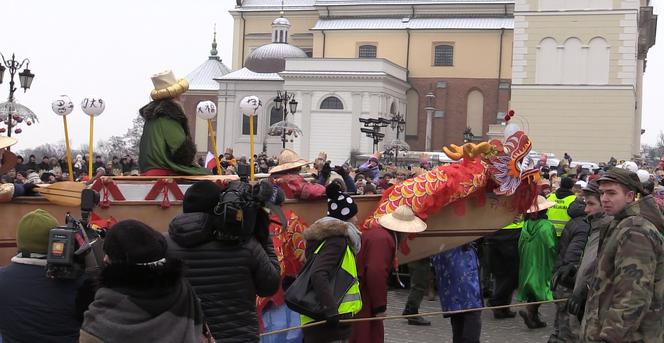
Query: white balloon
{"points": [[93, 106], [206, 110], [250, 104], [510, 129], [62, 105]]}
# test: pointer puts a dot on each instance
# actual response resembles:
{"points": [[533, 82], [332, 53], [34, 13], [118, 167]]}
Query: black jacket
{"points": [[574, 236], [226, 277], [34, 308], [335, 234]]}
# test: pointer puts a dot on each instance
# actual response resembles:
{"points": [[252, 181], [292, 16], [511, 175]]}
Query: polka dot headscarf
{"points": [[339, 205]]}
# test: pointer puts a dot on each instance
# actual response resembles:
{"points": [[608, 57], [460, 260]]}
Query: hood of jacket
{"points": [[330, 227], [645, 207], [563, 193], [577, 209], [165, 108], [191, 229]]}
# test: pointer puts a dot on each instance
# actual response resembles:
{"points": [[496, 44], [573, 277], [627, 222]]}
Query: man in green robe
{"points": [[166, 146], [537, 255]]}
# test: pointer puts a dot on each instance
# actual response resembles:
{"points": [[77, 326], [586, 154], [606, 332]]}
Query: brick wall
{"points": [[453, 100]]}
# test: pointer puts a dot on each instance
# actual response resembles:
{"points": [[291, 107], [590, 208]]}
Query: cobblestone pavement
{"points": [[502, 331]]}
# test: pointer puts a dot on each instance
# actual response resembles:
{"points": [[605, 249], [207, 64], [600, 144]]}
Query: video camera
{"points": [[239, 214], [75, 248]]}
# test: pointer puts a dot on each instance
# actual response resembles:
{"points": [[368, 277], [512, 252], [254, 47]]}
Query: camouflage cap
{"points": [[624, 177]]}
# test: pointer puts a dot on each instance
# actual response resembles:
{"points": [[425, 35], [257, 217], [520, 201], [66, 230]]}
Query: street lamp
{"points": [[25, 78], [429, 108], [286, 103], [372, 129]]}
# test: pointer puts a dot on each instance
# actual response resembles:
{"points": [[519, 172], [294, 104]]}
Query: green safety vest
{"points": [[352, 301], [558, 213]]}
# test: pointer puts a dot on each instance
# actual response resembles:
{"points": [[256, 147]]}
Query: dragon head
{"points": [[508, 163]]}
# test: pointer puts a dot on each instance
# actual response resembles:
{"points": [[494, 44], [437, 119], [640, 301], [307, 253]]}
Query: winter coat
{"points": [[371, 169], [626, 295], [143, 304], [166, 142], [34, 308], [296, 187], [337, 235], [574, 237], [374, 263], [458, 278], [598, 223], [226, 276], [537, 255]]}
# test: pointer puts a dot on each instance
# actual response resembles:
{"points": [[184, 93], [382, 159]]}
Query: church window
{"points": [[443, 55], [367, 51], [331, 103]]}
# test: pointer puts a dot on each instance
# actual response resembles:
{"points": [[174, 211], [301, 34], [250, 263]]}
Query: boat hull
{"points": [[446, 229]]}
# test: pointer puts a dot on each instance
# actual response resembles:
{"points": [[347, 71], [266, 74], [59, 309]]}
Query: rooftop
{"points": [[245, 74], [202, 78], [414, 24]]}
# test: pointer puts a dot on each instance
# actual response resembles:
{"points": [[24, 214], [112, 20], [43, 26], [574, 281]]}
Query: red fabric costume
{"points": [[374, 263]]}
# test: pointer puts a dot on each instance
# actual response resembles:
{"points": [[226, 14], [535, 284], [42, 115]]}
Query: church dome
{"points": [[281, 21], [271, 58]]}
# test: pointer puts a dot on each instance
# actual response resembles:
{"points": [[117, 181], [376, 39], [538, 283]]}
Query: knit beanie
{"points": [[32, 231], [133, 242], [202, 196], [339, 205]]}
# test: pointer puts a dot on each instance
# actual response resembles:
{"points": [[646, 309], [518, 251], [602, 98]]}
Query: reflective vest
{"points": [[514, 226], [558, 213], [352, 301]]}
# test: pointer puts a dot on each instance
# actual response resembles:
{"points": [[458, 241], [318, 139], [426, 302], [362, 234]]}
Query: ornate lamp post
{"points": [[25, 78], [429, 108], [398, 123], [286, 103]]}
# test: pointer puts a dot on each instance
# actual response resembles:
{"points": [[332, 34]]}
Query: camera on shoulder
{"points": [[239, 214]]}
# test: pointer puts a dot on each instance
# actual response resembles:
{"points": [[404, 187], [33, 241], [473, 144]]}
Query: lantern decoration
{"points": [[63, 106], [207, 110], [249, 105], [92, 107]]}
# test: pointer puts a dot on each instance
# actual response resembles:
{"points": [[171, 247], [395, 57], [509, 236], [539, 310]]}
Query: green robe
{"points": [[537, 255], [161, 138]]}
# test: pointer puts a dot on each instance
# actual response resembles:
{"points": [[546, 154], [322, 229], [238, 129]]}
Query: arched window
{"points": [[573, 62], [275, 116], [547, 70], [475, 112], [393, 108], [331, 103], [245, 124], [443, 55], [367, 51], [412, 111], [598, 61]]}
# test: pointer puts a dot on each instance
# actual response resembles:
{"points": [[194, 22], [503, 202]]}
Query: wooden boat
{"points": [[446, 229]]}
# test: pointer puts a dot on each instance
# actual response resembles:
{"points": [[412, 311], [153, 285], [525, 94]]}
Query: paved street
{"points": [[504, 331]]}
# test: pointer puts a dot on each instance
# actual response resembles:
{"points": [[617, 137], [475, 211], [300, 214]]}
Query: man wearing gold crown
{"points": [[166, 146]]}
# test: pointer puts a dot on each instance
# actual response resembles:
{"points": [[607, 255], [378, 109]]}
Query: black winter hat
{"points": [[566, 183], [339, 205], [133, 242], [202, 196]]}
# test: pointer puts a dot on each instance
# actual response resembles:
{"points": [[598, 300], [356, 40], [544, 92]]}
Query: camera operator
{"points": [[226, 272], [33, 307]]}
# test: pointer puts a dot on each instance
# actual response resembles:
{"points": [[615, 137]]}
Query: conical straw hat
{"points": [[540, 204], [288, 159], [403, 220]]}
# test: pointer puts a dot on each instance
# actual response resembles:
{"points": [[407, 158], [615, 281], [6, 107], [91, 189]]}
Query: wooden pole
{"points": [[71, 170], [251, 146], [214, 147], [92, 124]]}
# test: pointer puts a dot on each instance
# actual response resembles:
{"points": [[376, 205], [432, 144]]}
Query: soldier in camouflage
{"points": [[626, 293]]}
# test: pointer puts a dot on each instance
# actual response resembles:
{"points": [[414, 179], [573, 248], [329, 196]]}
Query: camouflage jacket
{"points": [[626, 295]]}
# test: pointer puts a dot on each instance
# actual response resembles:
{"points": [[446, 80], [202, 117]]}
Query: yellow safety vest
{"points": [[352, 301], [514, 226], [558, 213]]}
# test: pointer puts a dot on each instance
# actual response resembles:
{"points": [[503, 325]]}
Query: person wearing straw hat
{"points": [[7, 159], [537, 254], [166, 146], [286, 175], [374, 263]]}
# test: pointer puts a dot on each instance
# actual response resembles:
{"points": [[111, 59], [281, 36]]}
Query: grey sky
{"points": [[110, 49]]}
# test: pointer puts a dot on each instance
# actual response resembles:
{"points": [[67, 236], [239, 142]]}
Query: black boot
{"points": [[503, 313], [419, 321]]}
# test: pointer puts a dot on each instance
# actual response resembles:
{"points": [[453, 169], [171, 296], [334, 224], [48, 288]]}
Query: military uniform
{"points": [[626, 294]]}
